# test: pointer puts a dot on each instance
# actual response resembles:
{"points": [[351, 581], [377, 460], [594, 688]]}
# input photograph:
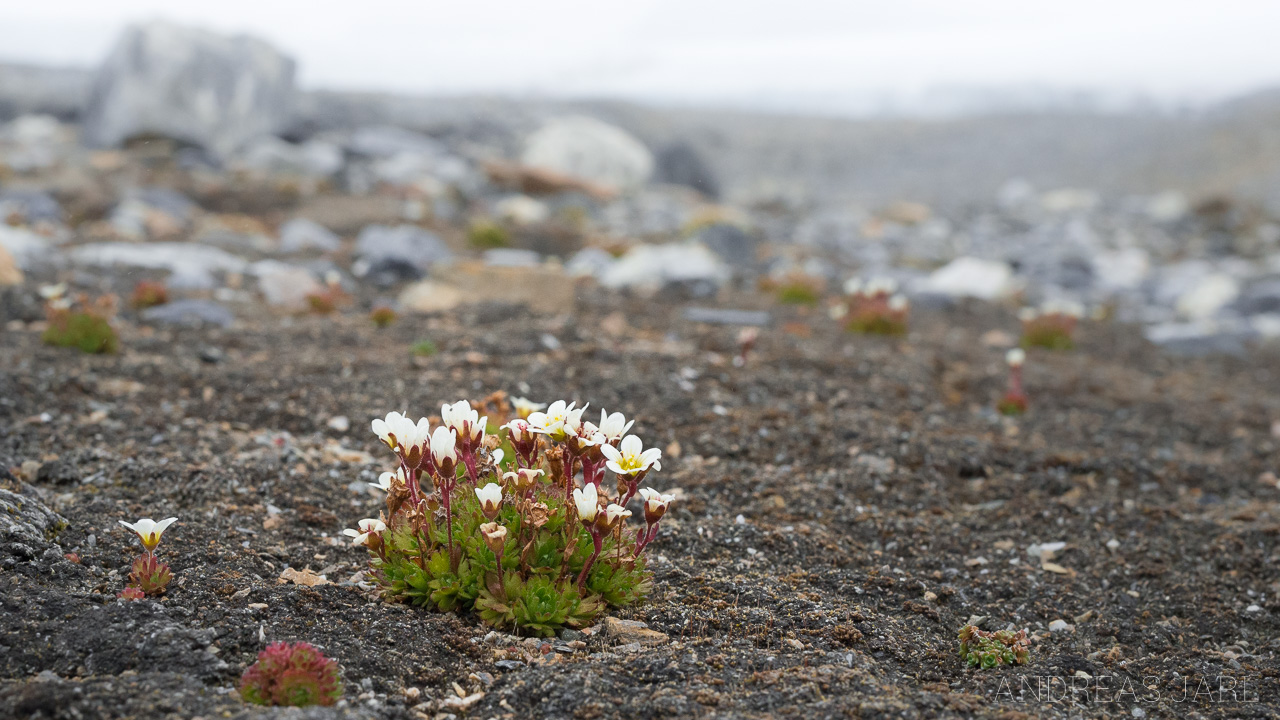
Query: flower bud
{"points": [[495, 536]]}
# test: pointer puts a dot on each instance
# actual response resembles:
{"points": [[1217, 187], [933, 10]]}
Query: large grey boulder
{"points": [[216, 91]]}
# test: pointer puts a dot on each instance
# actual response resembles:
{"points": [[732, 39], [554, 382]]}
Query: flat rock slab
{"points": [[630, 632]]}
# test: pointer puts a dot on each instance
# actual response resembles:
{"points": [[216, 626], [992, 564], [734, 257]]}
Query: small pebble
{"points": [[1061, 626], [1253, 609]]}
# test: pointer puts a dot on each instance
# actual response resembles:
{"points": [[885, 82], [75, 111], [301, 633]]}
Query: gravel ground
{"points": [[846, 505]]}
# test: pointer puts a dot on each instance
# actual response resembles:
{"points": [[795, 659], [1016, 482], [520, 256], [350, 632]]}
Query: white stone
{"points": [[303, 234], [522, 210], [191, 264], [971, 277], [1167, 207], [1123, 269], [1061, 626], [1208, 296], [589, 149], [26, 247], [428, 297], [651, 267], [285, 285]]}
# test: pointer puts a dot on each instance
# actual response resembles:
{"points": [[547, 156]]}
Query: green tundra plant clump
{"points": [[294, 674], [989, 649], [1052, 326], [875, 308], [79, 324], [518, 523]]}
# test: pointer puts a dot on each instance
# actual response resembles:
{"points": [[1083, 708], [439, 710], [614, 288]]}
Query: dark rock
{"points": [[680, 164], [190, 313], [734, 245], [722, 316], [57, 472], [405, 243]]}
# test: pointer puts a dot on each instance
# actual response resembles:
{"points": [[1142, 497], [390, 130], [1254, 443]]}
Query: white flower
{"points": [[630, 457], [881, 286], [490, 497], [615, 514], [496, 456], [655, 504], [386, 429], [614, 426], [853, 286], [368, 526], [519, 430], [588, 502], [1027, 314], [385, 480], [552, 421], [464, 420], [525, 407], [1015, 357], [524, 478], [586, 435], [402, 434], [149, 530], [52, 292], [444, 445], [898, 303], [495, 536]]}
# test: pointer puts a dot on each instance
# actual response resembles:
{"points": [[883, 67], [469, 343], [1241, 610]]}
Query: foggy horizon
{"points": [[922, 58]]}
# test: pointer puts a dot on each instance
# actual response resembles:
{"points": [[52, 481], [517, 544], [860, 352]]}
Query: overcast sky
{"points": [[811, 53]]}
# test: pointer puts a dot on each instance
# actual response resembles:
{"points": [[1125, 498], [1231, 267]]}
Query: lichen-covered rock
{"points": [[27, 527], [215, 91]]}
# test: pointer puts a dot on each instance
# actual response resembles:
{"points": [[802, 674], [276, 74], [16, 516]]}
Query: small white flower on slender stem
{"points": [[490, 497], [655, 504], [525, 407], [1015, 357], [368, 526], [614, 426], [587, 501], [149, 531], [630, 458], [898, 303]]}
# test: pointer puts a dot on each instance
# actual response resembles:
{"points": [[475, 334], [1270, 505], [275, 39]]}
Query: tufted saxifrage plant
{"points": [[989, 649], [876, 308], [1052, 326], [295, 674], [518, 525], [149, 575]]}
